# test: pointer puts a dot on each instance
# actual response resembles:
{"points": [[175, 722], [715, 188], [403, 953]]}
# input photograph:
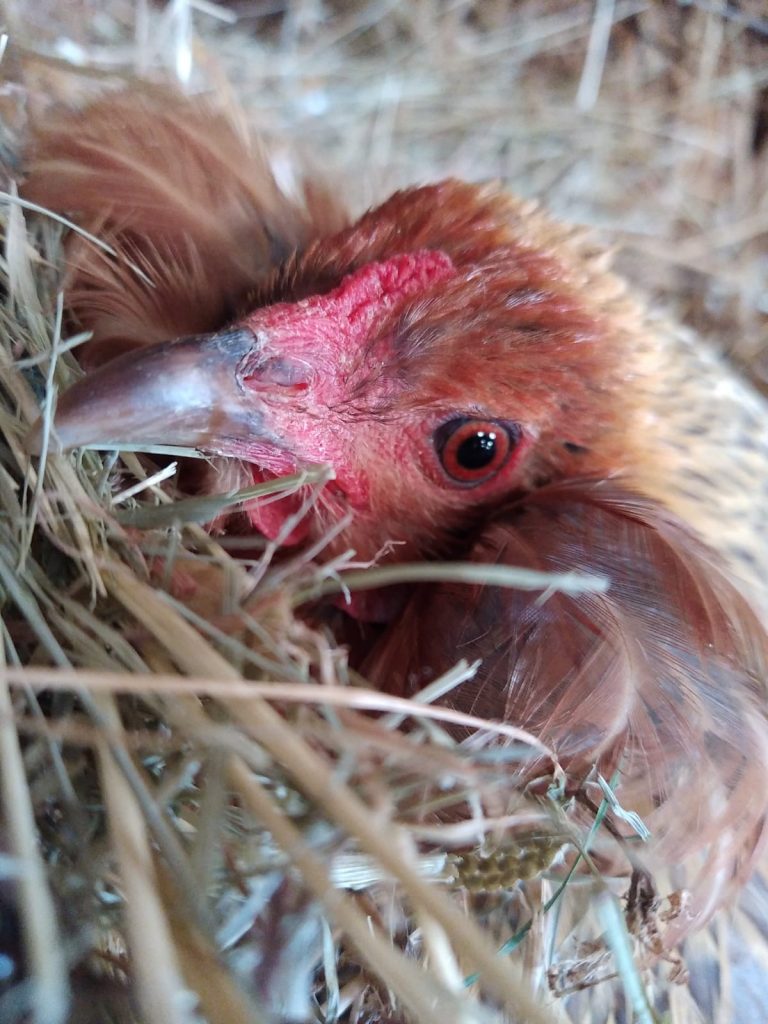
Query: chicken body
{"points": [[484, 389]]}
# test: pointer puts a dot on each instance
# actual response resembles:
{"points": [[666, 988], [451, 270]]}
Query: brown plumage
{"points": [[187, 195], [451, 312]]}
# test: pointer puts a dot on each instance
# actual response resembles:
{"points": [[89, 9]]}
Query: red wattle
{"points": [[269, 515]]}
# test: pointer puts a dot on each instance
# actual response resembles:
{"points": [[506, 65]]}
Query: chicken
{"points": [[484, 390]]}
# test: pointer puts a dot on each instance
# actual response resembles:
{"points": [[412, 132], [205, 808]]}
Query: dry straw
{"points": [[202, 821]]}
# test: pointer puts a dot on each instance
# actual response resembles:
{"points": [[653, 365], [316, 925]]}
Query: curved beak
{"points": [[186, 393]]}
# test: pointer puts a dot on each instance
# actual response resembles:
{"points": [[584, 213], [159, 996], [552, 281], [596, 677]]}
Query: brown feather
{"points": [[662, 677], [181, 190]]}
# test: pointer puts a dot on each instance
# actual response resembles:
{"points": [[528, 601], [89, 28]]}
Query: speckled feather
{"points": [[711, 428]]}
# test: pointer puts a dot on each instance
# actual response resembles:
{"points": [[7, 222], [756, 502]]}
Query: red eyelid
{"points": [[470, 428]]}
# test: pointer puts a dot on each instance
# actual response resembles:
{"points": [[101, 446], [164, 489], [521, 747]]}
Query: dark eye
{"points": [[474, 450]]}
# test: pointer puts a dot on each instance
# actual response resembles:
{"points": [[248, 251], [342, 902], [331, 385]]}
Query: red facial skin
{"points": [[445, 302], [310, 359]]}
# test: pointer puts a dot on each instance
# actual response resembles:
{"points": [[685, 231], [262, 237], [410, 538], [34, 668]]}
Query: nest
{"points": [[207, 816]]}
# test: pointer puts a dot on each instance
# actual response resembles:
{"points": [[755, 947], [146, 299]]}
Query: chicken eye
{"points": [[474, 450]]}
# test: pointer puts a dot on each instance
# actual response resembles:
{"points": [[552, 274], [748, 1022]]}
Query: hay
{"points": [[200, 821], [137, 793]]}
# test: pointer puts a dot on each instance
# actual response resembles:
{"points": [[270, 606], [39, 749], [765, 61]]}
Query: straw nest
{"points": [[201, 819]]}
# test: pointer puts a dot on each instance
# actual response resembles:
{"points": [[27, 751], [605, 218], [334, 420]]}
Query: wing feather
{"points": [[661, 678], [181, 190]]}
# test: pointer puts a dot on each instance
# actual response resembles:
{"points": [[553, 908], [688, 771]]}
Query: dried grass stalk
{"points": [[187, 775]]}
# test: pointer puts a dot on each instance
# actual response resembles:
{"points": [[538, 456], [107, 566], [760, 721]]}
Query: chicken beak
{"points": [[185, 393]]}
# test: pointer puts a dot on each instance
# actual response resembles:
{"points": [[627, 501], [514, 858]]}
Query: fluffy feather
{"points": [[184, 191], [660, 678], [647, 453]]}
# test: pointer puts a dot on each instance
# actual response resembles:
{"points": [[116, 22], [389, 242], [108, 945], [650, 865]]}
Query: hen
{"points": [[484, 390]]}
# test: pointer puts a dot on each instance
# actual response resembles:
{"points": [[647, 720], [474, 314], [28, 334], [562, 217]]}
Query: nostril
{"points": [[279, 371]]}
